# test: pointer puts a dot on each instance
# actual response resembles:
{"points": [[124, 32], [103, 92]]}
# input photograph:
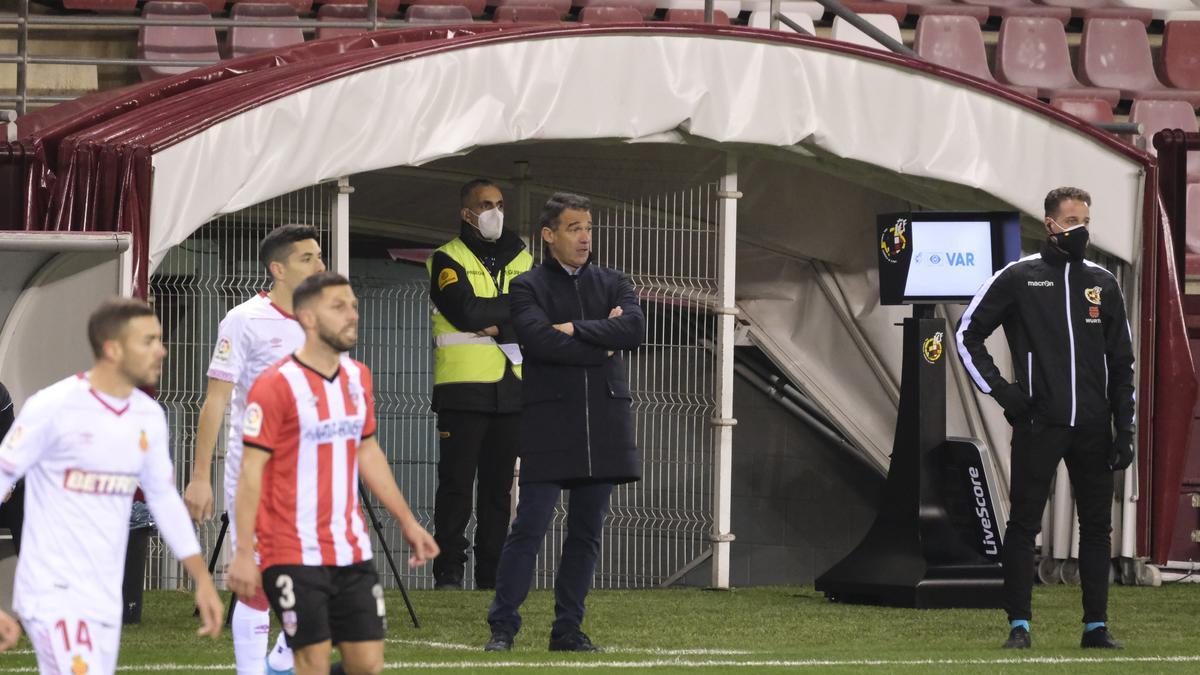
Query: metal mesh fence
{"points": [[666, 244], [200, 280]]}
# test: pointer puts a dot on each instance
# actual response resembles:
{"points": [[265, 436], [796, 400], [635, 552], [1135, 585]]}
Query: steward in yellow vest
{"points": [[476, 384]]}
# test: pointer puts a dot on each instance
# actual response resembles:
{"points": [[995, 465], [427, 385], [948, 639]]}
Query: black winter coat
{"points": [[577, 421]]}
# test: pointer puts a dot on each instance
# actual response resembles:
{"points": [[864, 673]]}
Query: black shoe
{"points": [[1018, 638], [447, 585], [500, 642], [572, 642], [1099, 638]]}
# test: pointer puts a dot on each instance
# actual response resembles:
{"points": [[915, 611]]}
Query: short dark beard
{"points": [[333, 342]]}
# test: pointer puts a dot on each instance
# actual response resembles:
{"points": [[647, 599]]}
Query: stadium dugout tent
{"points": [[806, 140]]}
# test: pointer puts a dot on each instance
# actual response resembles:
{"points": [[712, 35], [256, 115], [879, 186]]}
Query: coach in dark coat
{"points": [[573, 320], [576, 425]]}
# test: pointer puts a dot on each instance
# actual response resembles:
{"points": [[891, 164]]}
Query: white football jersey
{"points": [[83, 458], [253, 336]]}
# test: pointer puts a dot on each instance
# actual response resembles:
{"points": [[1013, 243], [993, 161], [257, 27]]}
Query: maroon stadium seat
{"points": [[1032, 52], [946, 7], [1087, 109], [1154, 116], [1115, 53], [1180, 54], [563, 7], [243, 40], [329, 12], [1101, 9], [895, 9], [1193, 218], [610, 15], [101, 5], [385, 7], [437, 14], [1007, 8], [696, 16], [475, 7], [956, 42], [526, 14], [179, 43], [301, 6], [644, 7]]}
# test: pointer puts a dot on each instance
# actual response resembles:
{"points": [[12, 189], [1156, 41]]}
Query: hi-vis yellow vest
{"points": [[460, 357]]}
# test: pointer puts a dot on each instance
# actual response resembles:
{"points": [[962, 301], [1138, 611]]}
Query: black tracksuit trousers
{"points": [[1036, 451], [473, 443]]}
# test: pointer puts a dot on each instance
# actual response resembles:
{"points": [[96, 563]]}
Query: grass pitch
{"points": [[779, 629]]}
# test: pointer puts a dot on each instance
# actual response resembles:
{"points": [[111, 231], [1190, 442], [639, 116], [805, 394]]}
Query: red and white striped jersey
{"points": [[312, 426]]}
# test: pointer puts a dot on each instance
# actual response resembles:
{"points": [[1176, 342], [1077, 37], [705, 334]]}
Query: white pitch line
{"points": [[806, 663], [455, 646], [683, 663], [436, 645], [677, 652]]}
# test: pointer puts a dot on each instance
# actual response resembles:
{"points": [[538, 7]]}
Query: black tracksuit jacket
{"points": [[1068, 334]]}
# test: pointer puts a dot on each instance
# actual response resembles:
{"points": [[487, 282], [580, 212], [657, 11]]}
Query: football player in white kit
{"points": [[84, 445], [252, 337]]}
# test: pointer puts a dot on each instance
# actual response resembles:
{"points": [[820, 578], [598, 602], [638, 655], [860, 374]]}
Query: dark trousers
{"points": [[586, 508], [1036, 451], [473, 443]]}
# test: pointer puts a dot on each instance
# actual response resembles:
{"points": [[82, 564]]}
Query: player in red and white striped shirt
{"points": [[309, 424]]}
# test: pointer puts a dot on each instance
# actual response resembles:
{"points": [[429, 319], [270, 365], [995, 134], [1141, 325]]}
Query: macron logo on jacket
{"points": [[1045, 283]]}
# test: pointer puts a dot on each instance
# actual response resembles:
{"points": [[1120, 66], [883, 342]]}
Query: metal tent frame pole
{"points": [[723, 422]]}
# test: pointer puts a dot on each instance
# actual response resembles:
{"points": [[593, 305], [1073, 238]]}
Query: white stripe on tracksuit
{"points": [[965, 322]]}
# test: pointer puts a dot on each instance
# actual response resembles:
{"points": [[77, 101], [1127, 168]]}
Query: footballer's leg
{"points": [[251, 623], [359, 618], [300, 597]]}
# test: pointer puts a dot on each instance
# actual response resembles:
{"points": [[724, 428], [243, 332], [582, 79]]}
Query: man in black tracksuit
{"points": [[477, 385], [1064, 319]]}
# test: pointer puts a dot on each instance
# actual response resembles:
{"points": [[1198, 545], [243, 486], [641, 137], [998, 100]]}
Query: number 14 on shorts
{"points": [[75, 646]]}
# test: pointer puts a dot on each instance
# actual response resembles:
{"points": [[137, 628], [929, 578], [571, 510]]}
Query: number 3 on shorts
{"points": [[287, 591]]}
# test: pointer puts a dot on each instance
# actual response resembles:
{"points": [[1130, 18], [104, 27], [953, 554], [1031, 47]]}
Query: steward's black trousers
{"points": [[473, 444], [1036, 451]]}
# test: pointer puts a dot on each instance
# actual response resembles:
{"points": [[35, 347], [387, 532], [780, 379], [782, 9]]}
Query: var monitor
{"points": [[942, 256]]}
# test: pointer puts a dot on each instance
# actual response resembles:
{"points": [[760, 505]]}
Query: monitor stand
{"points": [[913, 556]]}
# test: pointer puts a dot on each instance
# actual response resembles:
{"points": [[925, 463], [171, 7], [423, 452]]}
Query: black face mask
{"points": [[1072, 243]]}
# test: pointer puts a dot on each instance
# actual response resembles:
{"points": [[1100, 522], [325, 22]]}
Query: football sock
{"points": [[281, 657], [1019, 623], [251, 629]]}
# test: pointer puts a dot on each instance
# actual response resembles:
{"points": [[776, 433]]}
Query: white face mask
{"points": [[490, 224]]}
